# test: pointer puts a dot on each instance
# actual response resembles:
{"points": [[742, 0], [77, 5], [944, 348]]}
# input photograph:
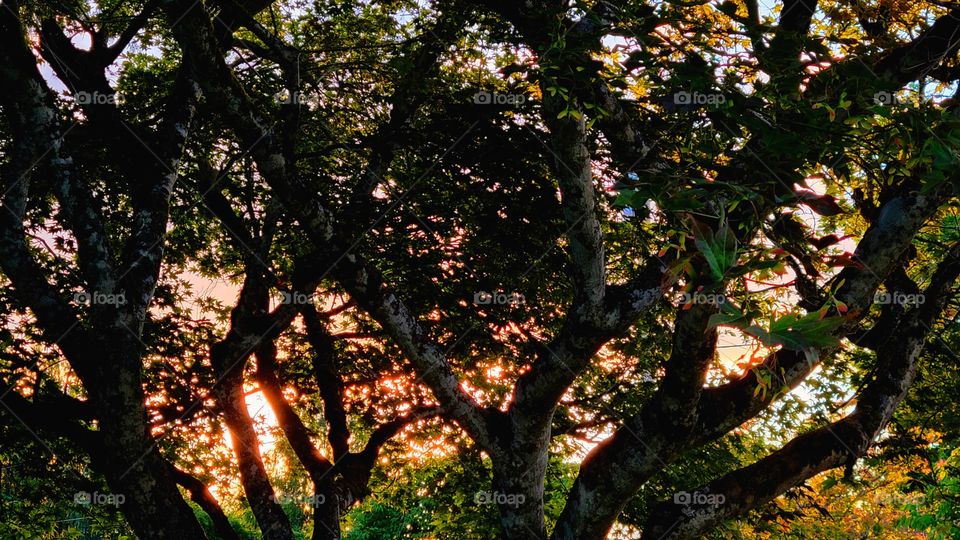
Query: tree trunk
{"points": [[326, 511], [273, 523], [519, 473], [205, 500], [132, 463]]}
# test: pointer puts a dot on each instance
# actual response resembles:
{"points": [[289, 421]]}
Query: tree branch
{"points": [[646, 443], [206, 501], [329, 382], [820, 450], [293, 428], [247, 331], [108, 55], [359, 278]]}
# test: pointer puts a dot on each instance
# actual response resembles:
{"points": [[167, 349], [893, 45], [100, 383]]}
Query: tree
{"points": [[586, 198]]}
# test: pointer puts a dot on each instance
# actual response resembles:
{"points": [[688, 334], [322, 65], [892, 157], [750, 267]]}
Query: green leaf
{"points": [[729, 315], [719, 249], [624, 198], [807, 333]]}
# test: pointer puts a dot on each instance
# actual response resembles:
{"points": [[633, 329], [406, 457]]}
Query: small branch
{"points": [[107, 56], [206, 501]]}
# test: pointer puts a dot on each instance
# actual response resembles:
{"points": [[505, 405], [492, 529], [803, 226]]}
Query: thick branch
{"points": [[881, 252], [293, 428], [84, 73], [329, 381], [229, 359], [143, 252], [782, 57], [561, 360], [41, 126], [48, 416], [27, 112], [616, 468], [206, 501], [828, 447], [387, 431], [358, 277], [903, 64]]}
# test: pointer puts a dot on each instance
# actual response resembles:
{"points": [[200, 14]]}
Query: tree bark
{"points": [[205, 500], [231, 399], [132, 463]]}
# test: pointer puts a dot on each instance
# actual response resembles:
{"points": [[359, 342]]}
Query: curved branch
{"points": [[206, 501], [293, 428], [229, 357], [831, 446], [328, 381], [364, 283], [618, 467]]}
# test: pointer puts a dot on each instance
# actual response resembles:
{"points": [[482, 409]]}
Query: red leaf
{"points": [[843, 260], [827, 240], [825, 205]]}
